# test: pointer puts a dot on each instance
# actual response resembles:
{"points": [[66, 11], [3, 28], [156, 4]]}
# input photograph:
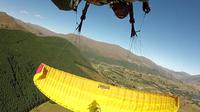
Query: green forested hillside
{"points": [[20, 54]]}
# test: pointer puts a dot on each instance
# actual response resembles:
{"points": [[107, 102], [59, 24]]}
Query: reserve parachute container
{"points": [[84, 95]]}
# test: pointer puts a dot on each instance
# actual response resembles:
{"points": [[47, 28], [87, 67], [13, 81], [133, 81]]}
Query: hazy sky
{"points": [[170, 35]]}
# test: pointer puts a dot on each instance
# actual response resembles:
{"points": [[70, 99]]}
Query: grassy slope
{"points": [[20, 54]]}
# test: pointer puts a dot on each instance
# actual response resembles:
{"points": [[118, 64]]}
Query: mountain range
{"points": [[100, 49], [107, 52]]}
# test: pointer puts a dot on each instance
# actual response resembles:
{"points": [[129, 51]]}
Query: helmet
{"points": [[120, 9]]}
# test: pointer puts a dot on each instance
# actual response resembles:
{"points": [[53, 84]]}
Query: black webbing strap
{"points": [[84, 12], [132, 21]]}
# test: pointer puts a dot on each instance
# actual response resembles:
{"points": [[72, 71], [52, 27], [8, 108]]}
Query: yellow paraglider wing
{"points": [[83, 95]]}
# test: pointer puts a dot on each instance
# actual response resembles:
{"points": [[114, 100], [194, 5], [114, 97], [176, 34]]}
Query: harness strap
{"points": [[132, 21], [83, 17]]}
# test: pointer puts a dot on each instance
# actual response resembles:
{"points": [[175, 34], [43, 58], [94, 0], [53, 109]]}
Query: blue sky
{"points": [[170, 35]]}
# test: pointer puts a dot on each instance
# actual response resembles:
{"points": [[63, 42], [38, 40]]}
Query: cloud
{"points": [[38, 16], [24, 12]]}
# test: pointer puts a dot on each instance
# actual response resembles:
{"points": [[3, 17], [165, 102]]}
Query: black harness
{"points": [[146, 9]]}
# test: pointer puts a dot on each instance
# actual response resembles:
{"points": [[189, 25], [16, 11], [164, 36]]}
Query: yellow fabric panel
{"points": [[83, 95]]}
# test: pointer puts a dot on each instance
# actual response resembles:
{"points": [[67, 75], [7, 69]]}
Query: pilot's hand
{"points": [[146, 7]]}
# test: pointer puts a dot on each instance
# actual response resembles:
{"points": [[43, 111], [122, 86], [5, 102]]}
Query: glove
{"points": [[146, 7]]}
